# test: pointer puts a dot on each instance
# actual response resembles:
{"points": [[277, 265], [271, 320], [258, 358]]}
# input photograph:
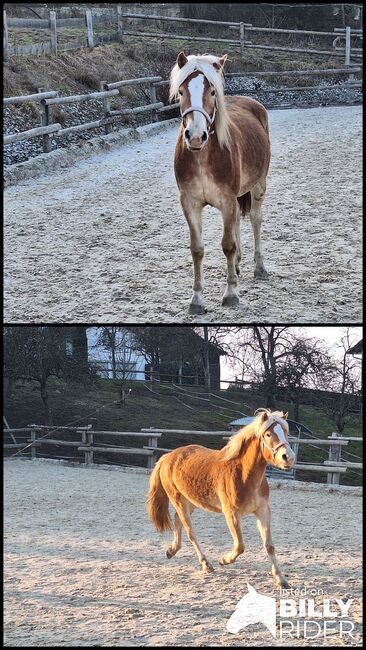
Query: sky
{"points": [[331, 335]]}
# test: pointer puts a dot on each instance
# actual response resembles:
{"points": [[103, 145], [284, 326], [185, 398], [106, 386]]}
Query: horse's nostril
{"points": [[204, 137], [284, 457], [186, 133]]}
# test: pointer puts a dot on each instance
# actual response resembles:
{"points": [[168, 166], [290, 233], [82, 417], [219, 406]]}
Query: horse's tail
{"points": [[158, 501], [245, 202]]}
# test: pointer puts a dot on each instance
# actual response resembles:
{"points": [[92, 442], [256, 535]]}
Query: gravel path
{"points": [[84, 567], [106, 241]]}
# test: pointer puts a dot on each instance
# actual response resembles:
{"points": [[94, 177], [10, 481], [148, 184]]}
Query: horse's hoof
{"points": [[282, 582], [261, 274], [197, 309], [222, 561], [230, 301], [237, 269], [169, 554], [207, 567]]}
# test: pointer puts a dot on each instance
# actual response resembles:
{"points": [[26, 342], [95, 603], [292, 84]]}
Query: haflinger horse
{"points": [[231, 480], [221, 159]]}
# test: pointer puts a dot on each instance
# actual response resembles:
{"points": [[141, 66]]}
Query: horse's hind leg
{"points": [[183, 509], [177, 539], [193, 213], [263, 516], [257, 197], [231, 217]]}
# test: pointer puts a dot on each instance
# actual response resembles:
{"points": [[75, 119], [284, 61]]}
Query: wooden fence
{"points": [[342, 45], [333, 467], [48, 98]]}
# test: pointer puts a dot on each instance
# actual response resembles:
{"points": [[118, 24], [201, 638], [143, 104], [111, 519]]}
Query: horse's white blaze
{"points": [[197, 122], [282, 438]]}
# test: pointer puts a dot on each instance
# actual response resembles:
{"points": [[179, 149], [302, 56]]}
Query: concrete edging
{"points": [[46, 163]]}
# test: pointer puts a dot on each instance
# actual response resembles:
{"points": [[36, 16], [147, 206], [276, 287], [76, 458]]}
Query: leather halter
{"points": [[274, 449], [210, 120]]}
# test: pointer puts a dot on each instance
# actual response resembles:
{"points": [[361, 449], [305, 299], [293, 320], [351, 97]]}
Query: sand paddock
{"points": [[105, 240], [83, 566]]}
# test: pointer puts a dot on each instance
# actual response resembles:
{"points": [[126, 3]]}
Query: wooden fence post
{"points": [[6, 38], [120, 23], [347, 49], [33, 447], [242, 37], [153, 100], [53, 32], [46, 120], [151, 460], [335, 452], [89, 25], [108, 128]]}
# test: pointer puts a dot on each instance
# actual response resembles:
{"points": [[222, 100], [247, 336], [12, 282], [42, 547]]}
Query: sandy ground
{"points": [[83, 566], [106, 240]]}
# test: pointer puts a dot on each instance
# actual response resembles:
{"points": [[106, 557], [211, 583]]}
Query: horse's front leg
{"points": [[193, 213], [231, 217], [263, 516], [233, 521]]}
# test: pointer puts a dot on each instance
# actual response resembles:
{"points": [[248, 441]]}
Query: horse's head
{"points": [[272, 431], [197, 82]]}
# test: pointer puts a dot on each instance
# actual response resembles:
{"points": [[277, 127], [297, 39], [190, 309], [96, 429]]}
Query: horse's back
{"points": [[238, 106]]}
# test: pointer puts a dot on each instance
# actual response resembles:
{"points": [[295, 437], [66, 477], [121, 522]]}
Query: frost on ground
{"points": [[84, 567], [106, 241]]}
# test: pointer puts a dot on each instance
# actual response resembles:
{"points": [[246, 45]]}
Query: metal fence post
{"points": [[120, 23], [46, 120], [334, 456], [53, 32], [89, 25], [108, 128], [6, 38]]}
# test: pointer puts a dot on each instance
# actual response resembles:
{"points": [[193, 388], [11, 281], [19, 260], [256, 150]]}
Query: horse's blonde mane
{"points": [[234, 446], [204, 63]]}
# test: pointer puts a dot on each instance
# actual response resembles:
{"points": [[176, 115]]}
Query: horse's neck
{"points": [[252, 461]]}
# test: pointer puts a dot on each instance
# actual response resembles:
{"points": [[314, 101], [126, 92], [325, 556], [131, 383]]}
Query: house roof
{"points": [[356, 349]]}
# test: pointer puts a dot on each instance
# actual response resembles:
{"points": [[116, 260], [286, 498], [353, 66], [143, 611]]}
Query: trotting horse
{"points": [[221, 159], [231, 480]]}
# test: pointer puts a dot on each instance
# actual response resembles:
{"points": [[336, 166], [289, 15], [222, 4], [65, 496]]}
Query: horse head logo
{"points": [[253, 608]]}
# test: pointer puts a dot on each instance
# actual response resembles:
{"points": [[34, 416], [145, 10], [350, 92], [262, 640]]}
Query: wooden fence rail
{"points": [[118, 19], [333, 467], [49, 98]]}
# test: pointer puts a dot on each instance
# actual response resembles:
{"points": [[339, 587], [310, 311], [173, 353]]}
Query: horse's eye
{"points": [[180, 92], [268, 433], [212, 92]]}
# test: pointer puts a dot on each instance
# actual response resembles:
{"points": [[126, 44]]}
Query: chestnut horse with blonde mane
{"points": [[231, 480], [221, 159]]}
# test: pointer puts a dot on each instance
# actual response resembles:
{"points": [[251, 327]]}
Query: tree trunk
{"points": [[206, 360], [44, 396]]}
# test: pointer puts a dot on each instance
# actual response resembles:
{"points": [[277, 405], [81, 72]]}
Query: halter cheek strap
{"points": [[274, 449]]}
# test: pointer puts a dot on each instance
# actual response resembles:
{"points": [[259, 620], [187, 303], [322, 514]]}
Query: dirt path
{"points": [[106, 241], [84, 567]]}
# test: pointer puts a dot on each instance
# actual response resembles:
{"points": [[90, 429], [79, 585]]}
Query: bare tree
{"points": [[345, 383], [35, 353]]}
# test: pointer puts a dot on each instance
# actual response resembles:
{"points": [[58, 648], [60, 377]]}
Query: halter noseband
{"points": [[210, 120]]}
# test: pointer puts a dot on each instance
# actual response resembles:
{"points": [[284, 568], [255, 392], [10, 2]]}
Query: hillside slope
{"points": [[167, 407]]}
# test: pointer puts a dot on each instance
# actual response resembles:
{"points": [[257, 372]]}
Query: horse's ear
{"points": [[220, 63], [285, 415], [181, 59], [263, 417]]}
